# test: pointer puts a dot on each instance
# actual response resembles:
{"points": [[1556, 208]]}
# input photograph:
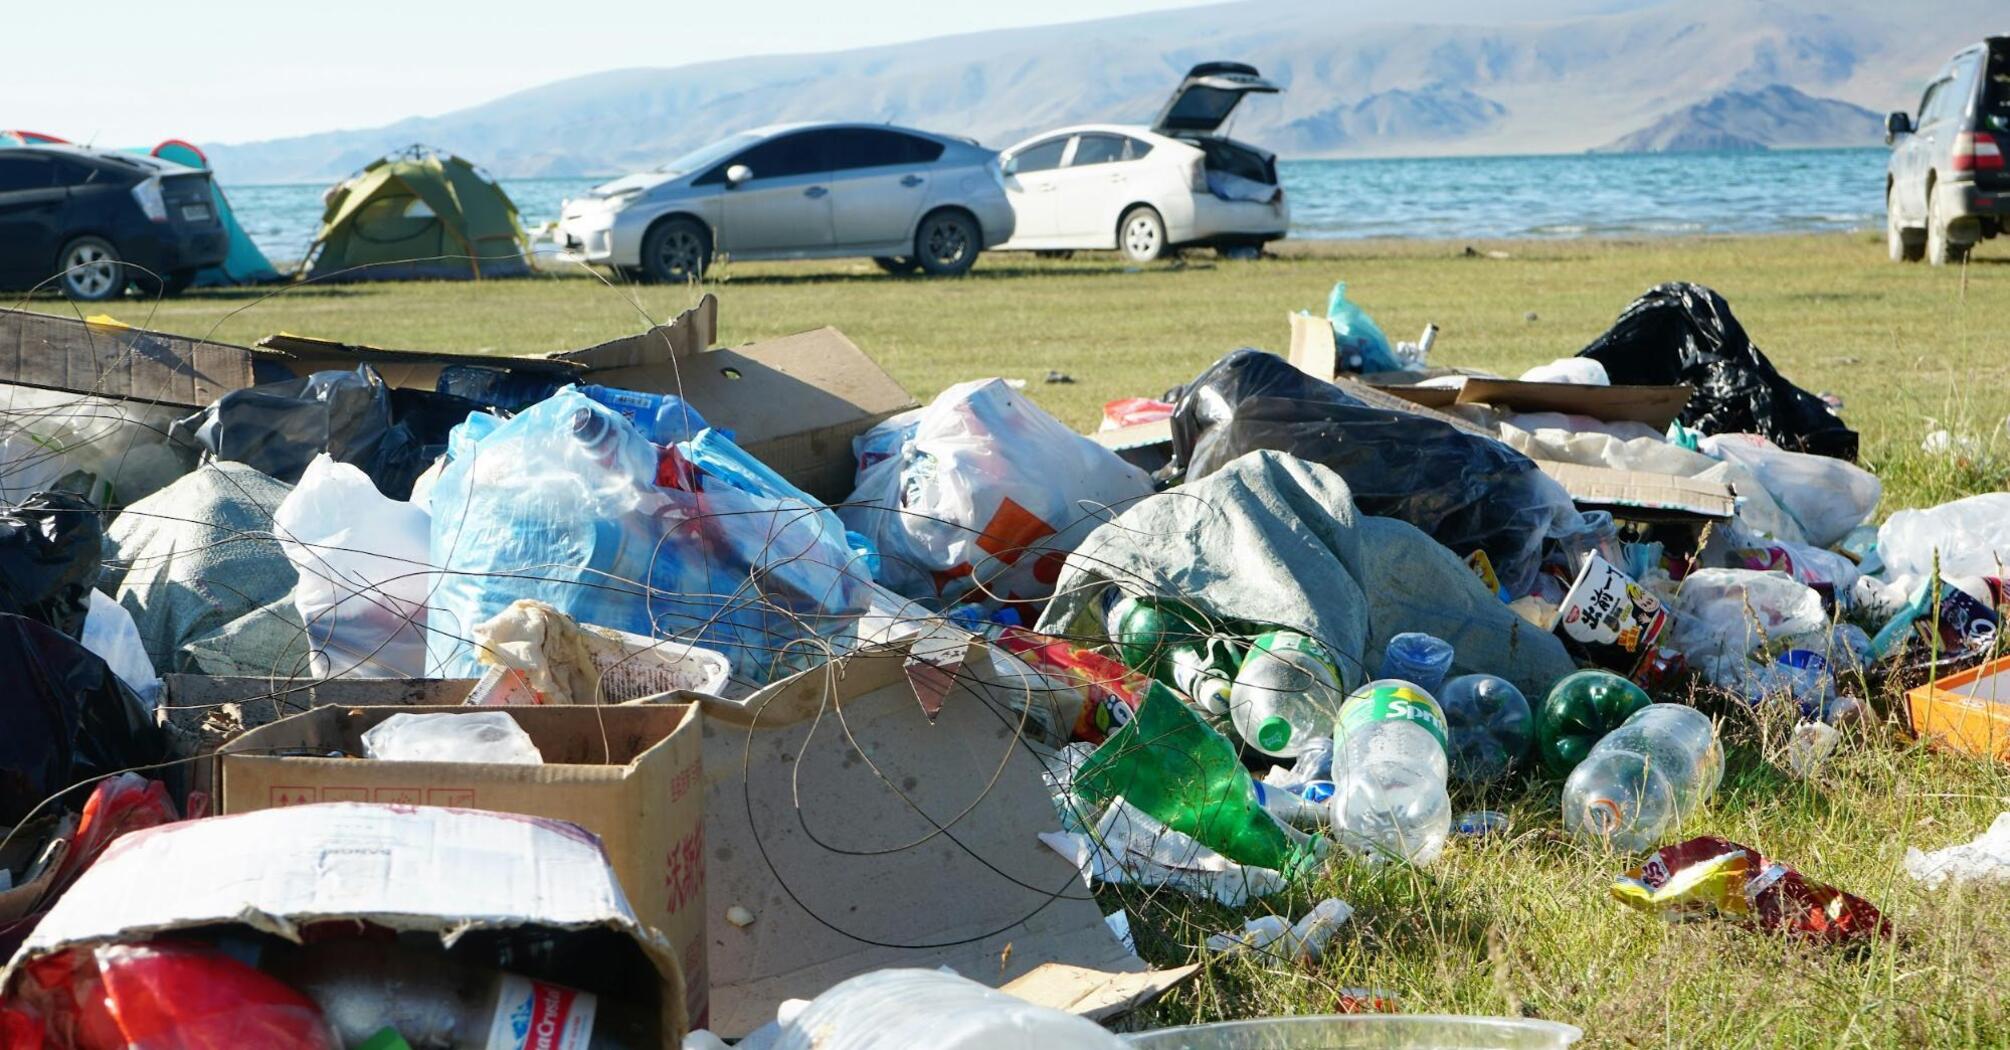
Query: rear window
{"points": [[23, 173], [1995, 112], [1199, 106]]}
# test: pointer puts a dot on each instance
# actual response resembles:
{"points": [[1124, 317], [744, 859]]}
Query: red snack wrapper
{"points": [[1716, 877], [1110, 691]]}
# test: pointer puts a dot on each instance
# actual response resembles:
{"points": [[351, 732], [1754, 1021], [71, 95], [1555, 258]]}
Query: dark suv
{"points": [[1946, 186], [98, 221]]}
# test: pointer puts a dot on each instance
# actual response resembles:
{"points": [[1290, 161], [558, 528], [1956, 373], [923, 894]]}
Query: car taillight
{"points": [[147, 194], [1196, 174], [1977, 151]]}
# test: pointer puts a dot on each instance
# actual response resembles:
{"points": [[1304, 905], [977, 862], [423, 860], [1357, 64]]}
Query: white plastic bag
{"points": [[1971, 537], [1826, 496], [1722, 616], [364, 573], [479, 736], [1582, 371], [109, 631], [1986, 859], [986, 499]]}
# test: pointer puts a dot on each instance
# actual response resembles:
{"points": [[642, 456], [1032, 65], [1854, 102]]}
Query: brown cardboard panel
{"points": [[826, 796], [65, 353], [1428, 396], [1095, 994], [630, 774], [1638, 495], [1656, 406]]}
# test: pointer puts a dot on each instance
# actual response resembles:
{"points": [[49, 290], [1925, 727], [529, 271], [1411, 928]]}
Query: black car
{"points": [[91, 222]]}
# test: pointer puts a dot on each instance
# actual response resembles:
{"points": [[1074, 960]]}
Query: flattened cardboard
{"points": [[629, 774], [418, 868], [1634, 495], [821, 840], [114, 360]]}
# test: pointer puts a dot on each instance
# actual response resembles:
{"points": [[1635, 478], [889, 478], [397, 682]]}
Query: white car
{"points": [[1145, 191], [909, 199]]}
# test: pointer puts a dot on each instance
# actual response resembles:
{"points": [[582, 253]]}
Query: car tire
{"points": [[899, 266], [1940, 250], [947, 242], [1141, 234], [676, 251], [1903, 244], [89, 270]]}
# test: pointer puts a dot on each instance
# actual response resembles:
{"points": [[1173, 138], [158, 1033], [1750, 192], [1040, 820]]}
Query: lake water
{"points": [[1580, 195]]}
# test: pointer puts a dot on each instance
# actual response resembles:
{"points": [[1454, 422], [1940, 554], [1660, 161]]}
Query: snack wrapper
{"points": [[1110, 691], [1716, 877]]}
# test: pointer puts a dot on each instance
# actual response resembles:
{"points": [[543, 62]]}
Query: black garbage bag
{"points": [[65, 719], [1685, 333], [355, 417], [1468, 491], [51, 545]]}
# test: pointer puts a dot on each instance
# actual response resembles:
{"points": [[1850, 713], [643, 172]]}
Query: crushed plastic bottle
{"points": [[1644, 778], [1389, 797], [1287, 690], [1490, 724], [486, 736], [1417, 658]]}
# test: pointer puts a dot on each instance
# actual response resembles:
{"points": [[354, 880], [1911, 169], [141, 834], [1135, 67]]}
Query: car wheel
{"points": [[898, 266], [947, 243], [89, 270], [676, 251], [1141, 234], [1903, 244], [1940, 248]]}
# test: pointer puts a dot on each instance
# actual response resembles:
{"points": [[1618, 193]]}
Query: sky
{"points": [[133, 73]]}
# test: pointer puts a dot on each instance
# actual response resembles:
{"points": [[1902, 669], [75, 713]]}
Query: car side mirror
{"points": [[1895, 125], [738, 174], [1010, 167]]}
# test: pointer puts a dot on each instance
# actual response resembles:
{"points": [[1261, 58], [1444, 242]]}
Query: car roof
{"points": [[66, 149], [771, 130], [1136, 131]]}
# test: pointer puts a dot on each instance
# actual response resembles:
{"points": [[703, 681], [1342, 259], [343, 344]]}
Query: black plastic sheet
{"points": [[1468, 491], [1685, 333], [65, 719], [50, 547], [355, 417]]}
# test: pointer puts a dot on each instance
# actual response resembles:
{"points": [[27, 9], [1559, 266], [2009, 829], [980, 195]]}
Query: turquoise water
{"points": [[1579, 195]]}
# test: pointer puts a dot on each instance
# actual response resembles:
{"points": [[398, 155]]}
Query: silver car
{"points": [[908, 199]]}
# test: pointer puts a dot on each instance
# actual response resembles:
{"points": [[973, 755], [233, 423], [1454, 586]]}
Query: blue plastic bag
{"points": [[561, 504], [1358, 343]]}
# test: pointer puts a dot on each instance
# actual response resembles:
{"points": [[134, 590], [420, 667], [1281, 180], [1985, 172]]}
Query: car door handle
{"points": [[912, 181], [814, 192]]}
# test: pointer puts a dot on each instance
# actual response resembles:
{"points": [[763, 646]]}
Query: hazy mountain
{"points": [[1776, 117], [1433, 77]]}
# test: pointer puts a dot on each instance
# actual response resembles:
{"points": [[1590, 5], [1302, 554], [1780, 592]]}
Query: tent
{"points": [[15, 137], [245, 264], [417, 213]]}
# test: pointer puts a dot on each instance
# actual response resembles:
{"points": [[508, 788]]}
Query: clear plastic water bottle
{"points": [[1491, 726], [1419, 659], [1639, 782], [1389, 797], [1286, 693]]}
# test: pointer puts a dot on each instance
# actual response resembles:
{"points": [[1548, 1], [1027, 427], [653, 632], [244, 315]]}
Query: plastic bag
{"points": [[68, 719], [109, 632], [50, 546], [481, 736], [560, 505], [1985, 859], [168, 995], [1468, 491], [278, 428], [1826, 497], [111, 451], [1968, 537], [364, 573], [1580, 370], [1685, 333], [986, 499], [1358, 343], [1723, 616], [119, 804]]}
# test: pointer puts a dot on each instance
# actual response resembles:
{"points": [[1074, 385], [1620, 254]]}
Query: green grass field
{"points": [[1519, 924]]}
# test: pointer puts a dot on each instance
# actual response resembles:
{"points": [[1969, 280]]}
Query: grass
{"points": [[1519, 924]]}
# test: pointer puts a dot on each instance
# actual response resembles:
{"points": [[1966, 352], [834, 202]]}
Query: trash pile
{"points": [[608, 690]]}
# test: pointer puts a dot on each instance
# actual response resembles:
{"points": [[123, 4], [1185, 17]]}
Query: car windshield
{"points": [[706, 156]]}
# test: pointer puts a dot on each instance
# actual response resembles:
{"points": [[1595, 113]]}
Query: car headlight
{"points": [[618, 201]]}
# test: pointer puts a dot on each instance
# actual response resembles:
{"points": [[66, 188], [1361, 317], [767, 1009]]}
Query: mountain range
{"points": [[1440, 77]]}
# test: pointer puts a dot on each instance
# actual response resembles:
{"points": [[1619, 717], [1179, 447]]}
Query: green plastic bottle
{"points": [[1579, 710], [1169, 763], [1175, 645]]}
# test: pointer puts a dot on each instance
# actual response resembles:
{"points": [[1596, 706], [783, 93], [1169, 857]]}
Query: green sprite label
{"points": [[1292, 641], [1387, 701]]}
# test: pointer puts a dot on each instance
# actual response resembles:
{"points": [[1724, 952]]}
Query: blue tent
{"points": [[245, 264]]}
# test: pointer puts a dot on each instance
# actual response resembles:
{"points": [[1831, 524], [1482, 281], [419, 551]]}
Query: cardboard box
{"points": [[1967, 712], [1634, 495], [426, 869], [795, 402], [816, 790], [629, 774]]}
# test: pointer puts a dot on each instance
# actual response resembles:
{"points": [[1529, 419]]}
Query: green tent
{"points": [[417, 213]]}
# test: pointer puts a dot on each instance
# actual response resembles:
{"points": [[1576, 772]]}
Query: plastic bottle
{"points": [[900, 1009], [1417, 658], [1640, 781], [1580, 709], [1389, 770], [1286, 692], [1490, 726], [364, 987], [1174, 644]]}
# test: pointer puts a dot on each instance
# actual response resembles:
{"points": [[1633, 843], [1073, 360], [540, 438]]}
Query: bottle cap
{"points": [[1273, 733]]}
